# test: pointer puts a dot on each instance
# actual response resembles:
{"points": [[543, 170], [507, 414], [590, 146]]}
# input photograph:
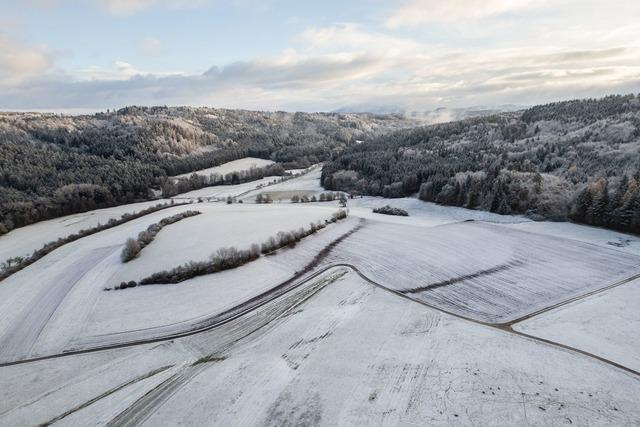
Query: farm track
{"points": [[260, 301], [255, 303]]}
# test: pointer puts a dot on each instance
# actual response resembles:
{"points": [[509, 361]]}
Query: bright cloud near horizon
{"points": [[89, 55]]}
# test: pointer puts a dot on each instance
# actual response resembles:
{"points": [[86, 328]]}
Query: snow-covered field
{"points": [[229, 167], [361, 337], [483, 271], [597, 236], [59, 302], [305, 185], [605, 324], [340, 351], [23, 241], [221, 192]]}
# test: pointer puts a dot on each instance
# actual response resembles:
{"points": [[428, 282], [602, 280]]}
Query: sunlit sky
{"points": [[88, 55]]}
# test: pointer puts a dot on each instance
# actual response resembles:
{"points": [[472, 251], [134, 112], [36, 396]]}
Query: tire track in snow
{"points": [[145, 406], [257, 302], [26, 329], [105, 394]]}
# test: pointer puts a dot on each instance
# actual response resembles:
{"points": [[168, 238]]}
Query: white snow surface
{"points": [[59, 301], [338, 352], [221, 192], [605, 324], [597, 236], [336, 349], [243, 164], [484, 271], [24, 240]]}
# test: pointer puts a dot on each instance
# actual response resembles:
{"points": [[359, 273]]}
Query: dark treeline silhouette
{"points": [[577, 159], [53, 165]]}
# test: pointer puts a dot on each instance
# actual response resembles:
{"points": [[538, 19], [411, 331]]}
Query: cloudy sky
{"points": [[86, 55]]}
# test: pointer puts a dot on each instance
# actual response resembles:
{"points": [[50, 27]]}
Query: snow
{"points": [[338, 352], [23, 241], [305, 185], [484, 271], [598, 236], [424, 213], [335, 349], [221, 192], [605, 324], [59, 302], [243, 164], [356, 355]]}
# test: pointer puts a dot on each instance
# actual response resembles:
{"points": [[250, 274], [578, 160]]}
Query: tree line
{"points": [[231, 257], [575, 160], [53, 165]]}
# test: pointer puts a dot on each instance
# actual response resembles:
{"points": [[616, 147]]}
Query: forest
{"points": [[53, 165], [577, 160]]}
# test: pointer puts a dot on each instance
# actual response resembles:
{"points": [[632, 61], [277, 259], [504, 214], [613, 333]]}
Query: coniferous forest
{"points": [[53, 165], [577, 160]]}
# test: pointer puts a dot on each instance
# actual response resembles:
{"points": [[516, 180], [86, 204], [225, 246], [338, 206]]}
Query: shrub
{"points": [[388, 210], [230, 257], [130, 251], [133, 247]]}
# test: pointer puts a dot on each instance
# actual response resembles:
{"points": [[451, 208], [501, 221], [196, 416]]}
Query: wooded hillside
{"points": [[577, 159]]}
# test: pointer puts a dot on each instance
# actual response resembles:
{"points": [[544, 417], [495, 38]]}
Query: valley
{"points": [[449, 315]]}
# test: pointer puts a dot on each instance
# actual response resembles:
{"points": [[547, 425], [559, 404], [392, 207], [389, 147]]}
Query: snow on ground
{"points": [[598, 236], [338, 352], [220, 192], [424, 213], [305, 185], [157, 306], [483, 271], [23, 241], [59, 301], [48, 286], [605, 324], [336, 349], [357, 355], [229, 167]]}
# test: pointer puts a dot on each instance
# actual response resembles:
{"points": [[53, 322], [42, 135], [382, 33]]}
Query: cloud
{"points": [[19, 61], [418, 12], [509, 52], [150, 47], [124, 8], [368, 80], [131, 7], [351, 36]]}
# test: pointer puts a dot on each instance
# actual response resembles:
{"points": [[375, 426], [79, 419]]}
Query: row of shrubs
{"points": [[231, 257], [328, 197], [388, 210], [290, 238], [133, 246], [263, 198], [13, 265]]}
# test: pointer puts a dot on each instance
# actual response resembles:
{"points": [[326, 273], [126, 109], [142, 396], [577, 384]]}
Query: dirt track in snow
{"points": [[26, 329]]}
